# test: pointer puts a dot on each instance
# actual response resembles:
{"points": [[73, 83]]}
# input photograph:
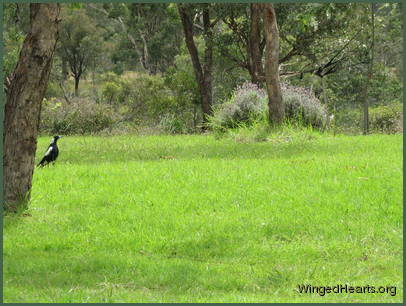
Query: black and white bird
{"points": [[51, 154]]}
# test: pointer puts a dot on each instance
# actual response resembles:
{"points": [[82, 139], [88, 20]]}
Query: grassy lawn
{"points": [[194, 219]]}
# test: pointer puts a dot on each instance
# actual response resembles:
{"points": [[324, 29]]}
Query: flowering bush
{"points": [[249, 103], [302, 105]]}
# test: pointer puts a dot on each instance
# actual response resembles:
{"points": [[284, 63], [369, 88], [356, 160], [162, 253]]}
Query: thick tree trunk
{"points": [[275, 103], [255, 54], [23, 105], [203, 74]]}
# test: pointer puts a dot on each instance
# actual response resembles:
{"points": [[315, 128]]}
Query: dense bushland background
{"points": [[138, 76]]}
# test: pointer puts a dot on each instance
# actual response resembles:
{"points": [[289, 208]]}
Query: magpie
{"points": [[51, 154]]}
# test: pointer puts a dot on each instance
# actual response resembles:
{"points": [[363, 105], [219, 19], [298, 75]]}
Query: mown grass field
{"points": [[194, 219]]}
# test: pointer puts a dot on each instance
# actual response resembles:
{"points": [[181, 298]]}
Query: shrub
{"points": [[301, 105], [248, 104], [387, 118], [111, 92], [145, 96], [81, 116], [152, 96], [348, 121]]}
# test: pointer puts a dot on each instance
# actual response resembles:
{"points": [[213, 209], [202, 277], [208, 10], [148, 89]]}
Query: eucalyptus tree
{"points": [[25, 92], [302, 29], [79, 43], [255, 48], [145, 36], [198, 19], [275, 103]]}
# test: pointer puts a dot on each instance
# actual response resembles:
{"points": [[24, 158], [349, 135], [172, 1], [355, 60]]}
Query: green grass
{"points": [[194, 219]]}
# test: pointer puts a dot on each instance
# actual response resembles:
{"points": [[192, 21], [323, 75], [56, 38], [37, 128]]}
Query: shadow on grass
{"points": [[64, 270]]}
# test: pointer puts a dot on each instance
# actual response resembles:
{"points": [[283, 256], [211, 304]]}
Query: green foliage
{"points": [[111, 92], [382, 119], [194, 219], [387, 118], [81, 116], [141, 69], [180, 79], [351, 26], [385, 86], [159, 103], [13, 42], [80, 41], [348, 121], [145, 95], [15, 27], [150, 33], [170, 103]]}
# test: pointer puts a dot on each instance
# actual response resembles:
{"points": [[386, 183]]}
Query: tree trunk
{"points": [[203, 75], [77, 79], [370, 72], [65, 72], [255, 54], [207, 93], [23, 105], [324, 89], [275, 103]]}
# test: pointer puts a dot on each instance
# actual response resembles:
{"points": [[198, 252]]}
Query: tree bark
{"points": [[206, 89], [23, 104], [203, 73], [77, 79], [365, 105], [255, 54], [65, 72], [275, 103]]}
